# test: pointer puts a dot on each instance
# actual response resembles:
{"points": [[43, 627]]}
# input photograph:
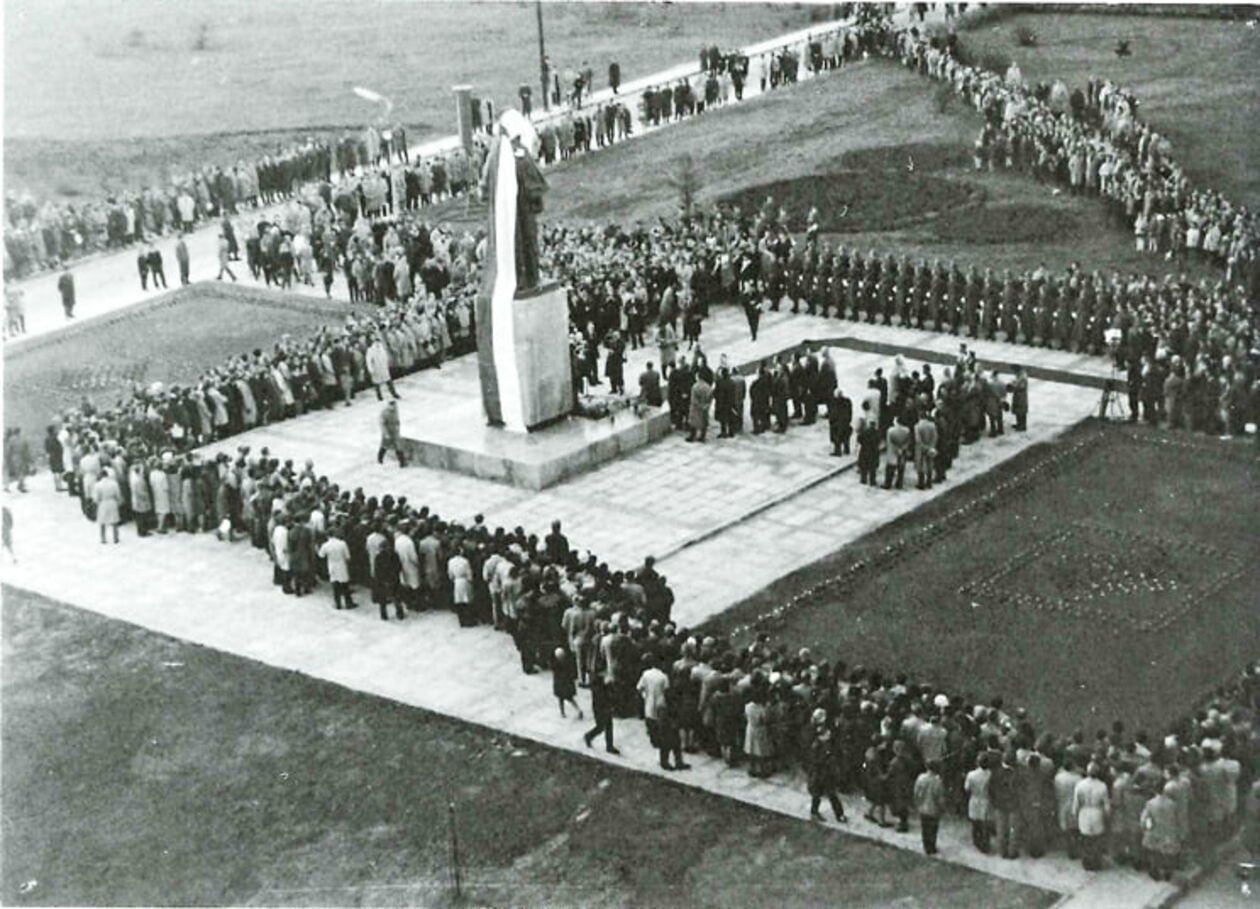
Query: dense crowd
{"points": [[1186, 349], [1155, 801], [366, 173], [1093, 141]]}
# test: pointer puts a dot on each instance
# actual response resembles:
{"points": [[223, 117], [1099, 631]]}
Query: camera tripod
{"points": [[1112, 405]]}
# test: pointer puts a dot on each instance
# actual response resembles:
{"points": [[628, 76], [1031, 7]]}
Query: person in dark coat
{"points": [[679, 395], [302, 558], [181, 256], [142, 264], [650, 386], [614, 76], [602, 708], [900, 785], [156, 267], [65, 286], [564, 679], [724, 402], [868, 438], [385, 579], [840, 421], [780, 392], [759, 400], [1019, 399], [822, 759]]}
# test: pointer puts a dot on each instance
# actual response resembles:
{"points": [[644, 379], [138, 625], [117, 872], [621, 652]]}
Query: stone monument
{"points": [[522, 320]]}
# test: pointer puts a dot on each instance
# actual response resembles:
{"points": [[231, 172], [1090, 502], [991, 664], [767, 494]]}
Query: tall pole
{"points": [[542, 58]]}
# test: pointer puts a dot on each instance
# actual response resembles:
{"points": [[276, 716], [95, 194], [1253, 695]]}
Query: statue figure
{"points": [[530, 186]]}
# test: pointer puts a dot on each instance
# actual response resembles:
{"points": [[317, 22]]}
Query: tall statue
{"points": [[515, 196], [522, 319], [530, 186]]}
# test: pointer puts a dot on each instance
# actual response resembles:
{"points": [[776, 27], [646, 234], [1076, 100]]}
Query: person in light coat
{"points": [[159, 485], [459, 570], [1161, 838], [1065, 781], [1092, 805], [280, 553], [378, 367], [408, 567], [336, 554], [108, 498], [976, 785]]}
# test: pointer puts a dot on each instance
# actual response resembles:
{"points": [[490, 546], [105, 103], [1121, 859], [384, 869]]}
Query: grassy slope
{"points": [[175, 343], [143, 770], [1198, 81], [275, 71], [877, 112], [1066, 670]]}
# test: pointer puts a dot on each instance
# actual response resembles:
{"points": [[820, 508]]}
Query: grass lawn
{"points": [[1197, 80], [844, 142], [1108, 584], [140, 770], [201, 327], [113, 95]]}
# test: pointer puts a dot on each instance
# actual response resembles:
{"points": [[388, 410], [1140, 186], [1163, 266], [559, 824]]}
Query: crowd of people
{"points": [[1154, 801], [367, 173], [1186, 349], [1092, 141]]}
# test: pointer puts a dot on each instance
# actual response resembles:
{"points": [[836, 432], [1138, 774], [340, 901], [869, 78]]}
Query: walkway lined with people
{"points": [[254, 619]]}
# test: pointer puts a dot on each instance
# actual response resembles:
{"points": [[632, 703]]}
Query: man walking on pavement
{"points": [[181, 256], [65, 284], [389, 434], [157, 268], [223, 259]]}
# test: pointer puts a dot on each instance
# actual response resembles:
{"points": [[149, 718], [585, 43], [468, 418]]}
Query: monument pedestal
{"points": [[541, 346]]}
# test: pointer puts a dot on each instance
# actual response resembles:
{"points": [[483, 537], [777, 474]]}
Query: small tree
{"points": [[686, 180]]}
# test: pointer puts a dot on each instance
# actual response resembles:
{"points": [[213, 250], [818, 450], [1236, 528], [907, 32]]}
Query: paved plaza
{"points": [[724, 518]]}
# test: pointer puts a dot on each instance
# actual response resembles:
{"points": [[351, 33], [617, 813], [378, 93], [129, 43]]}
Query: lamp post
{"points": [[542, 58]]}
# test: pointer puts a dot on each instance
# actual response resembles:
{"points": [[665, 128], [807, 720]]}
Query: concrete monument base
{"points": [[448, 431], [541, 329]]}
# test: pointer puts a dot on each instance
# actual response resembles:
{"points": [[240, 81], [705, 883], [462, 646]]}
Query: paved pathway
{"points": [[652, 500]]}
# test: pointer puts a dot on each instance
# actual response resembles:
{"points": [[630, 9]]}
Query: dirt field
{"points": [[140, 770]]}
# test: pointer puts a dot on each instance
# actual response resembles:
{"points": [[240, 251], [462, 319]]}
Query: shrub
{"points": [[1025, 36], [944, 98]]}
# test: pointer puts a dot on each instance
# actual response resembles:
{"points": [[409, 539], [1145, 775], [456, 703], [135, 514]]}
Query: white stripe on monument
{"points": [[501, 300]]}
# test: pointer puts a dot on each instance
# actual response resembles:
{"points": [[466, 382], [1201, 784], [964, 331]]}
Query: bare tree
{"points": [[686, 180]]}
